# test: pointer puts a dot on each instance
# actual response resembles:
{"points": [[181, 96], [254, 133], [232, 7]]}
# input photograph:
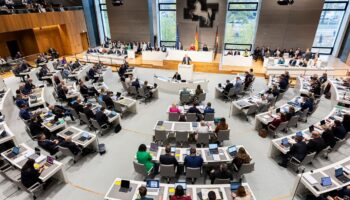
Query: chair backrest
{"points": [[142, 92], [246, 168], [308, 158], [103, 104], [252, 109], [174, 116], [203, 138], [95, 124], [293, 121], [185, 98], [281, 127], [338, 144], [202, 96], [181, 136], [223, 135], [74, 113], [140, 168], [124, 86], [191, 117], [167, 170], [280, 96], [231, 92], [84, 118], [193, 172], [160, 135], [222, 181], [209, 116], [133, 90], [65, 151], [303, 114], [263, 108]]}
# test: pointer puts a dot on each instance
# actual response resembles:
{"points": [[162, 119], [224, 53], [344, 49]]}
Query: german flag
{"points": [[196, 43]]}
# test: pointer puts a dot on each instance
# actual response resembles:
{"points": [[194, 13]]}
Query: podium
{"points": [[186, 71]]}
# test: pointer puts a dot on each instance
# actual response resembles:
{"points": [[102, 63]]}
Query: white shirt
{"points": [[202, 129]]}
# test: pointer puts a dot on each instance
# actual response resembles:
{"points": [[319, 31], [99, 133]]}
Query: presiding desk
{"points": [[154, 55], [173, 86], [170, 126], [25, 152], [196, 192], [196, 56], [237, 60]]}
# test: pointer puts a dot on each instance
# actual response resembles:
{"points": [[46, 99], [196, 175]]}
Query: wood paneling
{"points": [[348, 60], [48, 37], [71, 24], [25, 39]]}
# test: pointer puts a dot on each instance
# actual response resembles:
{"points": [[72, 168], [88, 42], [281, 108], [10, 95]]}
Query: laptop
{"points": [[14, 152], [152, 187], [182, 184], [153, 147], [194, 124], [285, 142], [213, 149], [232, 150], [3, 134], [339, 174], [323, 122], [68, 133], [235, 186], [124, 185], [49, 161], [299, 133], [326, 181], [112, 114], [311, 128], [84, 136], [159, 123], [172, 149]]}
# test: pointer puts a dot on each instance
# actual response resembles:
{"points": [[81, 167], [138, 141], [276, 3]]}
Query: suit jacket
{"points": [[339, 132], [71, 146], [78, 107], [193, 161], [108, 100], [101, 118], [316, 145], [228, 87], [177, 77], [168, 160], [89, 114], [328, 138], [238, 86], [298, 150], [186, 61], [48, 145]]}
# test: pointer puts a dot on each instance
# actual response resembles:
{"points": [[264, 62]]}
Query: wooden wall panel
{"points": [[25, 39], [49, 37], [71, 24]]}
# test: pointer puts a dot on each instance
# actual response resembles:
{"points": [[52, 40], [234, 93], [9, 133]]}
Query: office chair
{"points": [[160, 136], [173, 116], [209, 116], [223, 135], [167, 171], [222, 181], [191, 117], [181, 137], [98, 127], [141, 169], [203, 139], [296, 164], [66, 152]]}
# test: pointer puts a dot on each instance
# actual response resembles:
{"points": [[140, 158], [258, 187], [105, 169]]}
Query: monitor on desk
{"points": [[49, 160], [213, 148], [232, 150], [326, 181], [152, 184], [285, 141], [125, 184], [299, 133], [235, 186], [172, 149], [15, 150], [182, 184], [153, 147]]}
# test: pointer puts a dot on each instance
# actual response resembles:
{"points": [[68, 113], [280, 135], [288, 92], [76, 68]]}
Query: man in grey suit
{"points": [[238, 85]]}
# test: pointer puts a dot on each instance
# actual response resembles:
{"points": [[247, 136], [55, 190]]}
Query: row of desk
{"points": [[167, 84]]}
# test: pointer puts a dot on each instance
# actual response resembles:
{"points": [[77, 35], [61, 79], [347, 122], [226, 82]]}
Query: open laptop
{"points": [[124, 185], [112, 114], [299, 133], [49, 161], [3, 134], [153, 147], [326, 181], [173, 149], [339, 174], [232, 150], [213, 149], [84, 136], [285, 142], [311, 128], [68, 133], [152, 187], [235, 186], [14, 152], [323, 122], [182, 184]]}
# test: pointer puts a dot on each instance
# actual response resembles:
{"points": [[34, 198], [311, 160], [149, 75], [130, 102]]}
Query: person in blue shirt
{"points": [[307, 104], [208, 109], [24, 113], [193, 160]]}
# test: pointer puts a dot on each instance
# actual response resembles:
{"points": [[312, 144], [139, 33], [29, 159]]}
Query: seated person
{"points": [[108, 100], [275, 91], [50, 146], [205, 47], [246, 53], [92, 74], [168, 158], [283, 83], [247, 80], [194, 109], [143, 194], [67, 143], [192, 47], [277, 121], [88, 111], [45, 72], [76, 65], [298, 150], [144, 157], [29, 86], [174, 109], [307, 104], [66, 72], [60, 111], [221, 126], [238, 85], [180, 194], [228, 86], [339, 130], [101, 117], [136, 84], [229, 53], [328, 136], [209, 109], [222, 173], [21, 99], [290, 113], [346, 122], [281, 60], [35, 126], [177, 76], [78, 106], [316, 143], [24, 112], [198, 91], [87, 91], [30, 175], [241, 194], [202, 128], [293, 62], [149, 89], [241, 157], [193, 160]]}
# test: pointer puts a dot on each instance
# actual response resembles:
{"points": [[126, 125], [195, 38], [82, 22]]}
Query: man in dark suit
{"points": [[168, 158], [88, 112], [307, 104], [221, 173], [339, 130], [67, 143], [177, 76], [297, 150], [78, 107], [186, 60], [91, 74], [48, 145], [228, 86], [108, 100], [101, 117], [136, 84], [193, 160], [316, 143]]}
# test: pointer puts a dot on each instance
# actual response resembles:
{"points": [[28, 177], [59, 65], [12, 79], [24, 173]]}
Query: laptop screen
{"points": [[154, 147], [322, 122], [326, 181], [86, 135], [339, 172], [125, 184], [183, 184], [173, 149], [15, 150], [50, 160], [299, 133], [152, 184], [213, 146], [285, 141], [232, 149], [235, 186]]}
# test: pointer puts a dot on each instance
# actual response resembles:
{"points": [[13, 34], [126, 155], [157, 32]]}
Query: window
{"points": [[102, 10], [241, 19], [330, 21], [167, 22]]}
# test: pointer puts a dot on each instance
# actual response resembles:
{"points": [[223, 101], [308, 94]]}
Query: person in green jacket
{"points": [[144, 157]]}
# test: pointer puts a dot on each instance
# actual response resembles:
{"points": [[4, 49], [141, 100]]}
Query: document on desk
{"points": [[216, 157], [310, 179]]}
